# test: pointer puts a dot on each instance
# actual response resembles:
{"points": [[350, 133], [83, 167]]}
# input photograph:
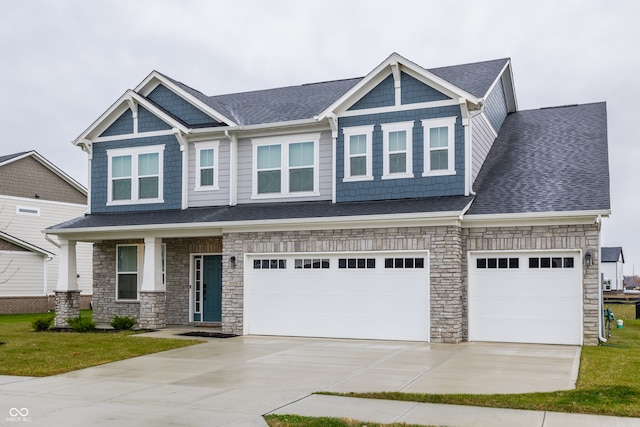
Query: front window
{"points": [[135, 175], [439, 141], [286, 166], [207, 155], [398, 150], [127, 272], [357, 153]]}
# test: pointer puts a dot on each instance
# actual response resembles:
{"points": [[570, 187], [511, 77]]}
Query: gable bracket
{"points": [[133, 106], [395, 70]]}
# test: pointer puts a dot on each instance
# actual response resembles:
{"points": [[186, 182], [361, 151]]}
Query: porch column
{"points": [[67, 292], [152, 294]]}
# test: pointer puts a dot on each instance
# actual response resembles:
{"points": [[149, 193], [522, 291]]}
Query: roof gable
{"points": [[612, 254], [12, 158]]}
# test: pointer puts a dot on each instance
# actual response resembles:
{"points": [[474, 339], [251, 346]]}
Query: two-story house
{"points": [[409, 204], [35, 194]]}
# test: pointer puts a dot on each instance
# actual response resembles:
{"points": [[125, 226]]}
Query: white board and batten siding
{"points": [[25, 219], [339, 295], [246, 163], [526, 297]]}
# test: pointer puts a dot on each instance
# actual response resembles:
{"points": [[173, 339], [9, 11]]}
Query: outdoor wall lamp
{"points": [[588, 258], [232, 260]]}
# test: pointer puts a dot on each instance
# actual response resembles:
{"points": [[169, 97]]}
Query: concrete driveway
{"points": [[235, 381]]}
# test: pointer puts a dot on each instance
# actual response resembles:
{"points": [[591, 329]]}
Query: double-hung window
{"points": [[207, 155], [135, 175], [398, 150], [128, 273], [439, 146], [286, 166], [357, 153]]}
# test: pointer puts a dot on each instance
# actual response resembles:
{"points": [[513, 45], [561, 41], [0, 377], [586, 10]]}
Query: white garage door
{"points": [[532, 297], [369, 295]]}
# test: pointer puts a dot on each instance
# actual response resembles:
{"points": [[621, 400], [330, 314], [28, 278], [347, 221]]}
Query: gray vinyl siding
{"points": [[245, 164], [218, 197], [482, 136]]}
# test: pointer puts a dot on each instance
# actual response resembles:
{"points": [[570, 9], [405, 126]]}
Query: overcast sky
{"points": [[63, 63]]}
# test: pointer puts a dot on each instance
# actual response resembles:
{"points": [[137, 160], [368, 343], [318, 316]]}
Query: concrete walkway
{"points": [[233, 382]]}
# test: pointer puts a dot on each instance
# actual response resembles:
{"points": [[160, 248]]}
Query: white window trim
{"points": [[134, 152], [140, 270], [427, 125], [28, 211], [284, 142], [393, 127], [352, 131], [140, 261], [215, 145]]}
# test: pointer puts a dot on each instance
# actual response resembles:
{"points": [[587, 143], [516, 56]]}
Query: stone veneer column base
{"points": [[67, 307], [153, 310]]}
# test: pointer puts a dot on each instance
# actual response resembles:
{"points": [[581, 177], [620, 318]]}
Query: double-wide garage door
{"points": [[528, 297], [372, 295]]}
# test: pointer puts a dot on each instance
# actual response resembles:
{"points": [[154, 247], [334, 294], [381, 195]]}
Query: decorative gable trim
{"points": [[128, 101], [155, 78], [396, 65]]}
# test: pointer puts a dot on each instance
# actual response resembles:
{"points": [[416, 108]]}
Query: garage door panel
{"points": [[369, 303], [525, 303]]}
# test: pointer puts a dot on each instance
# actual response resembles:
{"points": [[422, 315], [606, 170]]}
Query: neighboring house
{"points": [[35, 194], [409, 204], [612, 260]]}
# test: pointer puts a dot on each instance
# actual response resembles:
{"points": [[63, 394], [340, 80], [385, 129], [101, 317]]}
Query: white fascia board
{"points": [[119, 107], [383, 70], [25, 245], [217, 228], [155, 78], [532, 219], [261, 128]]}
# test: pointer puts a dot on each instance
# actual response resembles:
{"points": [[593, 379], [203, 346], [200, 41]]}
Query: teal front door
{"points": [[208, 288]]}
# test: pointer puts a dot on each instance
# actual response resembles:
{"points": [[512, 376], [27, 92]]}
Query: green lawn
{"points": [[29, 353], [299, 421], [608, 381]]}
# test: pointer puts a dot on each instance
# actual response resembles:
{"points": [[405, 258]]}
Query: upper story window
{"points": [[357, 153], [286, 166], [398, 150], [207, 155], [135, 175], [439, 146]]}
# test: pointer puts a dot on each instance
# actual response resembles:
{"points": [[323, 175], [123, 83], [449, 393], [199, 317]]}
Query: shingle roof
{"points": [[270, 211], [309, 100], [475, 78], [547, 160], [12, 156], [612, 254]]}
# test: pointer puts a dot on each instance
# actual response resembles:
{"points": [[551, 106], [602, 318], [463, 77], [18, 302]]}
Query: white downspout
{"points": [[233, 167], [600, 299]]}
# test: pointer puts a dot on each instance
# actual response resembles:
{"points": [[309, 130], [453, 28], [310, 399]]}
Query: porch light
{"points": [[588, 258], [232, 260]]}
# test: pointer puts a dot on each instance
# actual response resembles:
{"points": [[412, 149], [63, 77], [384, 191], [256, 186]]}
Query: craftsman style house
{"points": [[35, 194], [409, 204]]}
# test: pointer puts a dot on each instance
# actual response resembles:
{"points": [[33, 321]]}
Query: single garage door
{"points": [[528, 297], [372, 295]]}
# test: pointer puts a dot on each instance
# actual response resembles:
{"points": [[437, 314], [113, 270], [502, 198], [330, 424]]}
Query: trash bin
{"points": [[619, 321]]}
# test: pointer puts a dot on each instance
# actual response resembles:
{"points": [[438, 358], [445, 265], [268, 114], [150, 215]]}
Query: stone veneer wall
{"points": [[572, 237], [177, 266], [446, 278], [105, 305]]}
